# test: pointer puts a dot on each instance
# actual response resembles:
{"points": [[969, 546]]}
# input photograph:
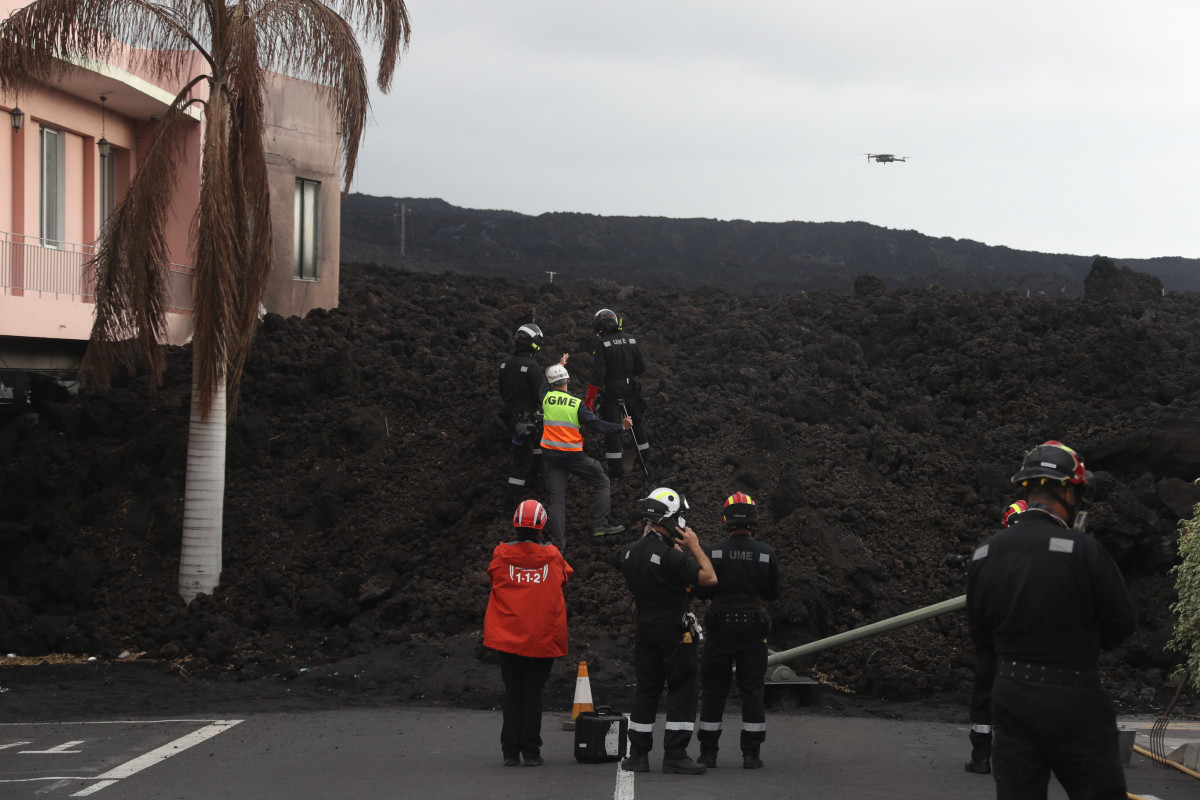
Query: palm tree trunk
{"points": [[203, 497]]}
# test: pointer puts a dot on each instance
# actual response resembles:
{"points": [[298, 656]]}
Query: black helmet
{"points": [[606, 320], [529, 336], [1053, 462], [739, 512], [665, 507]]}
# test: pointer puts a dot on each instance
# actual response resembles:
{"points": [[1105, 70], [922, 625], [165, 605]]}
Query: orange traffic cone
{"points": [[583, 696], [583, 692]]}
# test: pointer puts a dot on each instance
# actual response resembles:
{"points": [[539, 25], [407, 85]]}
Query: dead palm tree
{"points": [[221, 54]]}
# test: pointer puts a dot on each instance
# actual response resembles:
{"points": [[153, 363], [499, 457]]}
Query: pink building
{"points": [[67, 155]]}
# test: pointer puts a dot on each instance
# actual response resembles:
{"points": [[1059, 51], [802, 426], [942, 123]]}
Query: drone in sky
{"points": [[884, 158]]}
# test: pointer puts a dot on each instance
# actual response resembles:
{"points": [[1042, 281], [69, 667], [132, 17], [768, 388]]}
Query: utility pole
{"points": [[400, 210], [552, 274]]}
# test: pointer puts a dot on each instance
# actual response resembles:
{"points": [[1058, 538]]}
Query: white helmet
{"points": [[665, 507], [557, 373]]}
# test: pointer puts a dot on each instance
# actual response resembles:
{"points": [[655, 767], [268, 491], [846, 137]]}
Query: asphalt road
{"points": [[438, 754]]}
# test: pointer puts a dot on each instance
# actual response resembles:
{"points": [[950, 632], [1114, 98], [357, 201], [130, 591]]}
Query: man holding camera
{"points": [[660, 568]]}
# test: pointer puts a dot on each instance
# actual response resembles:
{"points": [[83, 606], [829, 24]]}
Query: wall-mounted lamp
{"points": [[18, 118], [105, 147]]}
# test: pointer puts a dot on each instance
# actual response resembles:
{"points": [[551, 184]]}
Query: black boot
{"points": [[637, 761], [750, 759], [981, 753], [682, 765], [708, 756]]}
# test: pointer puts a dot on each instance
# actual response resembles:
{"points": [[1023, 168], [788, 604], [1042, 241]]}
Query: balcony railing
{"points": [[27, 266]]}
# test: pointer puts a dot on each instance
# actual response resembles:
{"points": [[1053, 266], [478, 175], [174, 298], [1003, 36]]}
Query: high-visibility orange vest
{"points": [[560, 423]]}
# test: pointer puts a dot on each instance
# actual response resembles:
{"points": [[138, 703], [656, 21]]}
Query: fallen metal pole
{"points": [[874, 629]]}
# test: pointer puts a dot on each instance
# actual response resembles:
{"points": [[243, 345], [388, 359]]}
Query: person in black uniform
{"points": [[1045, 599], [520, 384], [659, 569], [738, 624], [617, 361], [981, 688]]}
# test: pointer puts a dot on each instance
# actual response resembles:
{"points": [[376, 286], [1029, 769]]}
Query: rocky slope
{"points": [[365, 466]]}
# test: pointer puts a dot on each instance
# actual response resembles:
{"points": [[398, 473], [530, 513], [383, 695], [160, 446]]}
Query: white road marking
{"points": [[624, 790], [60, 750], [624, 787], [54, 787], [102, 722], [167, 750], [13, 744], [93, 788], [129, 767]]}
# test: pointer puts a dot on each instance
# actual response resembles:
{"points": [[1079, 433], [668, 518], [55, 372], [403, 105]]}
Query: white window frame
{"points": [[53, 187], [306, 251]]}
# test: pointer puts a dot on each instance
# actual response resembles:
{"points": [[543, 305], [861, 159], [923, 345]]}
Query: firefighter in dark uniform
{"points": [[1045, 599], [660, 568], [520, 384], [738, 625], [981, 688], [617, 362]]}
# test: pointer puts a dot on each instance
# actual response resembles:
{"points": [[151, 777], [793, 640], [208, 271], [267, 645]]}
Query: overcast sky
{"points": [[1062, 126]]}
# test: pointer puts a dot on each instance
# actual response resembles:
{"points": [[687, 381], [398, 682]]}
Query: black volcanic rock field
{"points": [[877, 431]]}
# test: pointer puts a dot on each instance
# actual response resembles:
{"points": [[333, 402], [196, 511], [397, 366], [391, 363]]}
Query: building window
{"points": [[53, 189], [307, 251], [108, 179]]}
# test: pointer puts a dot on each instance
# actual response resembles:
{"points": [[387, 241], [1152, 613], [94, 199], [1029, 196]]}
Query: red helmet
{"points": [[530, 514], [739, 512], [1015, 508]]}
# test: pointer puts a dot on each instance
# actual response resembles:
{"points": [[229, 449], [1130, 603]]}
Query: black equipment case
{"points": [[600, 736]]}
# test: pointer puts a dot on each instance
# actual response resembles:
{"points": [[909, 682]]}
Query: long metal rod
{"points": [[637, 447], [875, 628]]}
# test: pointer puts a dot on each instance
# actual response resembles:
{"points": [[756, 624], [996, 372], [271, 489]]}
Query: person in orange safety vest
{"points": [[563, 419]]}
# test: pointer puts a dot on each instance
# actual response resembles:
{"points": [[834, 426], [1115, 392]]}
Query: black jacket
{"points": [[658, 577], [616, 359], [1040, 593], [520, 381], [747, 575]]}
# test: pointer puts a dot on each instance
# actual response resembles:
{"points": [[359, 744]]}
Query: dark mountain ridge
{"points": [[735, 255]]}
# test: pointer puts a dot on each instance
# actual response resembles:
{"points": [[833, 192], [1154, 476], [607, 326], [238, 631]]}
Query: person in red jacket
{"points": [[526, 621]]}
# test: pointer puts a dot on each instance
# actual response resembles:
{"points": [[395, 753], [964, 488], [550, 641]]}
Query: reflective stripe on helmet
{"points": [[530, 514], [1016, 508], [739, 497]]}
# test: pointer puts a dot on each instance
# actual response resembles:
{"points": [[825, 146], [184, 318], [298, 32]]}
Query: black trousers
{"points": [[1040, 729], [730, 644], [610, 411], [526, 464], [524, 681], [661, 658], [981, 694]]}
